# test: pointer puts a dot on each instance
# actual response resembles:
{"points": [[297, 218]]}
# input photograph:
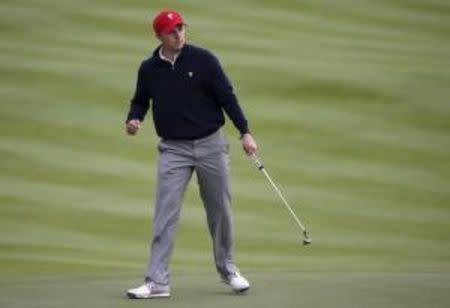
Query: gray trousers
{"points": [[208, 157]]}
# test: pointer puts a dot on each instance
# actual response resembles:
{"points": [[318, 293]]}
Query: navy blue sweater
{"points": [[188, 98]]}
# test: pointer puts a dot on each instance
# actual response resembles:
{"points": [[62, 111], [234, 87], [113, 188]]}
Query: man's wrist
{"points": [[133, 119], [246, 132]]}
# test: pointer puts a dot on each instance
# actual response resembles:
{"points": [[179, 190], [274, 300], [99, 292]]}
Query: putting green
{"points": [[281, 289], [347, 100]]}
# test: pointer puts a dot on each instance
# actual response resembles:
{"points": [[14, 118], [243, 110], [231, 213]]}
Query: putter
{"points": [[306, 236]]}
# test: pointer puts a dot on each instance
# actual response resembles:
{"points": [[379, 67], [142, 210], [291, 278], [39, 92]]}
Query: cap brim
{"points": [[170, 28]]}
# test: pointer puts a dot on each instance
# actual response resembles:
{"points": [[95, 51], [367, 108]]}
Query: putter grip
{"points": [[258, 163]]}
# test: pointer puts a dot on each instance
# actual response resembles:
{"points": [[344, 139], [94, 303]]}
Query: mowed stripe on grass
{"points": [[282, 289]]}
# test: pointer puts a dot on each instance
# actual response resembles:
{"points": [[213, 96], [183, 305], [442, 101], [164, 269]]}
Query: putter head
{"points": [[306, 238]]}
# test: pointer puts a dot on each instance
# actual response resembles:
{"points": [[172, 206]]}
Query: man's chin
{"points": [[179, 47]]}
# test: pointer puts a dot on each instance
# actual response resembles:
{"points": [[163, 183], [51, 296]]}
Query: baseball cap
{"points": [[166, 21]]}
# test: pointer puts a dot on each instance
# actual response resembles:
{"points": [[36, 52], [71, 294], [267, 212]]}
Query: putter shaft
{"points": [[260, 167]]}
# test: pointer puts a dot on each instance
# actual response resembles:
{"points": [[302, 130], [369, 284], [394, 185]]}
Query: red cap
{"points": [[166, 21]]}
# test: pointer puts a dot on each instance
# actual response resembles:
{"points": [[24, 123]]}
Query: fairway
{"points": [[349, 104]]}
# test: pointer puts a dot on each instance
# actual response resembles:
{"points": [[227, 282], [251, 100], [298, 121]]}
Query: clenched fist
{"points": [[133, 126]]}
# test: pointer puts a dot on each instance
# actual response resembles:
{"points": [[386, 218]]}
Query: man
{"points": [[189, 92]]}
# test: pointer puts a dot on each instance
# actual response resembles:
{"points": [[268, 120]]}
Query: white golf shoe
{"points": [[237, 282], [149, 290]]}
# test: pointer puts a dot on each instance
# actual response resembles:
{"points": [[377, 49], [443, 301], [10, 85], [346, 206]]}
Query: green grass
{"points": [[349, 102], [284, 289]]}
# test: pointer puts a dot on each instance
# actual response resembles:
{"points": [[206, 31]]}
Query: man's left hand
{"points": [[248, 144]]}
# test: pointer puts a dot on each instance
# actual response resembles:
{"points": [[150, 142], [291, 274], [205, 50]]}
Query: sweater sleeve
{"points": [[139, 104], [224, 95]]}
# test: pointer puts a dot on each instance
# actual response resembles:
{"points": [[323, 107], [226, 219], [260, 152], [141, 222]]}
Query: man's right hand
{"points": [[133, 126]]}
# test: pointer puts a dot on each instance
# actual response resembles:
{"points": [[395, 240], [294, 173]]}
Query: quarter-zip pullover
{"points": [[188, 96]]}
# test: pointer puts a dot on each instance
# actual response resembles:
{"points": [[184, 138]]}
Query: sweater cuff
{"points": [[133, 116], [244, 131]]}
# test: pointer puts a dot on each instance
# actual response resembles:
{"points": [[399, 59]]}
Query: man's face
{"points": [[174, 40]]}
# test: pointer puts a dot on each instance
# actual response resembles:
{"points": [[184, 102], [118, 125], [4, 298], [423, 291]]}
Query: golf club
{"points": [[306, 237]]}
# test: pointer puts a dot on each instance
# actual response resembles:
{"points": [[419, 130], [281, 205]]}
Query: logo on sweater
{"points": [[190, 74]]}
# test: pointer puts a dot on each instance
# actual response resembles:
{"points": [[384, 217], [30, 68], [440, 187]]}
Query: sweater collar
{"points": [[157, 53], [164, 58]]}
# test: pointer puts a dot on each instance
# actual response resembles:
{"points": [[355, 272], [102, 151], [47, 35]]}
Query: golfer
{"points": [[189, 92]]}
